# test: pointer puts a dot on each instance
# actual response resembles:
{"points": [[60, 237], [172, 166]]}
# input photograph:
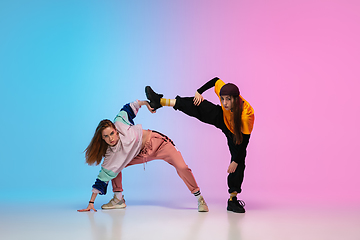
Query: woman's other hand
{"points": [[232, 167]]}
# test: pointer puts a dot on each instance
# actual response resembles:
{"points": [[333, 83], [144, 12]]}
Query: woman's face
{"points": [[110, 136], [227, 101]]}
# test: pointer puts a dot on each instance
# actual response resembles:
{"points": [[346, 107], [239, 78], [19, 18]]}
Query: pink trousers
{"points": [[161, 147]]}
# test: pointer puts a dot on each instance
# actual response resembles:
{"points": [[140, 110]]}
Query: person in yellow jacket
{"points": [[235, 118]]}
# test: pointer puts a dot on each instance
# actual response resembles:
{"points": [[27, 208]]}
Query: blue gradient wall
{"points": [[66, 65]]}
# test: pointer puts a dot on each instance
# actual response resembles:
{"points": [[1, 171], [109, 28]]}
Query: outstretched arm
{"points": [[128, 111], [207, 85]]}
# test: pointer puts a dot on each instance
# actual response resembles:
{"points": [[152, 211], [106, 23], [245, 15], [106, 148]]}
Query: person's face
{"points": [[110, 136], [227, 101]]}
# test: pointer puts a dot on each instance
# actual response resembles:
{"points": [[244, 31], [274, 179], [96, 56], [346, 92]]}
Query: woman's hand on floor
{"points": [[88, 209]]}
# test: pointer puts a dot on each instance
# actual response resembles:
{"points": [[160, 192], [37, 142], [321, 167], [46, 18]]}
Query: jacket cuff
{"points": [[101, 186]]}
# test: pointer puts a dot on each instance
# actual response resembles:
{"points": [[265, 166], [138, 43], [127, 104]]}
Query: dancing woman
{"points": [[235, 118], [122, 144]]}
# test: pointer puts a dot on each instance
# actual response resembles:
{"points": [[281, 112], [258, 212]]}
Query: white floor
{"points": [[156, 221]]}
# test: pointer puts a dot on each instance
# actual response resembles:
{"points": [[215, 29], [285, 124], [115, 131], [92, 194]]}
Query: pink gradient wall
{"points": [[301, 61]]}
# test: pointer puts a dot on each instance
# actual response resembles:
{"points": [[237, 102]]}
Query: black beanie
{"points": [[229, 89]]}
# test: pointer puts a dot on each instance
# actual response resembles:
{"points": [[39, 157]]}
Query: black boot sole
{"points": [[236, 211]]}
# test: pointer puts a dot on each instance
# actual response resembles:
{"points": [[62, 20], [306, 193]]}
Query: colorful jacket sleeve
{"points": [[101, 186], [128, 113]]}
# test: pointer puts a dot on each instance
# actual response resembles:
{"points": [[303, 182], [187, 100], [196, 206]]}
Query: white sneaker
{"points": [[115, 203], [202, 207]]}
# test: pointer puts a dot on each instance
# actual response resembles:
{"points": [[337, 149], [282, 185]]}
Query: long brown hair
{"points": [[97, 147], [237, 112]]}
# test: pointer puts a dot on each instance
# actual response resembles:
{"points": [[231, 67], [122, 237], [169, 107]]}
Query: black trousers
{"points": [[212, 114]]}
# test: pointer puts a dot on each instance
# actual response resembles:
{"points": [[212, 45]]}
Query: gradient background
{"points": [[66, 65]]}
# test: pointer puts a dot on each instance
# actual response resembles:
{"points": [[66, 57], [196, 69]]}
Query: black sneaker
{"points": [[236, 205], [153, 97]]}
